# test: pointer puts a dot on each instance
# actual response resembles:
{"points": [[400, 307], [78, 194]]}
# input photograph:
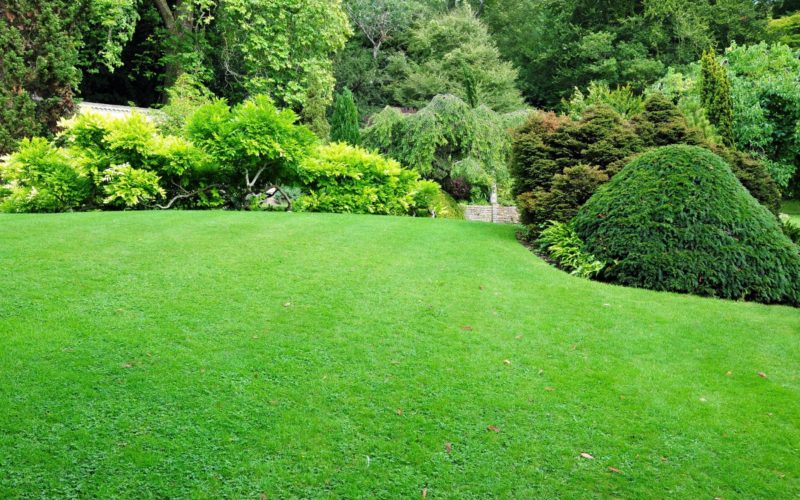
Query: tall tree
{"points": [[282, 48], [39, 43], [379, 20], [561, 44], [450, 54], [344, 120], [715, 94]]}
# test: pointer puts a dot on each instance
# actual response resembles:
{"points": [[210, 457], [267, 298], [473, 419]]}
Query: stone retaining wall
{"points": [[498, 214]]}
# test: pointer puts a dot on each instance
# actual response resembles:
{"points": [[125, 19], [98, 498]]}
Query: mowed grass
{"points": [[792, 208], [220, 354]]}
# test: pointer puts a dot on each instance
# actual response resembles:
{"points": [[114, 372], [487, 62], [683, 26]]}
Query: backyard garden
{"points": [[259, 280]]}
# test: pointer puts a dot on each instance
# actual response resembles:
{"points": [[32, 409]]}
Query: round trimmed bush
{"points": [[677, 219]]}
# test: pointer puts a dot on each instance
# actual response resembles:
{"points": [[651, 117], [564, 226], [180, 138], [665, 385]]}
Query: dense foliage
{"points": [[765, 90], [256, 145], [282, 48], [558, 162], [104, 163], [715, 95], [346, 179], [39, 43], [344, 119], [465, 149], [560, 243], [561, 44], [677, 219], [248, 156], [454, 54]]}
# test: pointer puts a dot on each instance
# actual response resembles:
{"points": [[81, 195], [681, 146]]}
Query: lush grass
{"points": [[792, 208], [233, 354]]}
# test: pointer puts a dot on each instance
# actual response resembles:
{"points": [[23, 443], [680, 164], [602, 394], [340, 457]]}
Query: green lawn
{"points": [[208, 354], [793, 209]]}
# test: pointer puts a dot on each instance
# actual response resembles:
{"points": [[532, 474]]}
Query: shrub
{"points": [[348, 179], [344, 120], [445, 140], [561, 244], [130, 187], [429, 199], [677, 219], [715, 94], [592, 148], [101, 145], [42, 179], [548, 150], [184, 97], [255, 145], [568, 192], [765, 97], [790, 229], [622, 99]]}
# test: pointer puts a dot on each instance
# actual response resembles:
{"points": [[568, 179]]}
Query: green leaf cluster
{"points": [[348, 179], [444, 141]]}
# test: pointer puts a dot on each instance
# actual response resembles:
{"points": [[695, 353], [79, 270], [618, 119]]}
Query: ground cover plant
{"points": [[237, 354]]}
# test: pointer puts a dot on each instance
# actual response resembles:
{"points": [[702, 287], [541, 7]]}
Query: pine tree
{"points": [[344, 121], [39, 44], [715, 92]]}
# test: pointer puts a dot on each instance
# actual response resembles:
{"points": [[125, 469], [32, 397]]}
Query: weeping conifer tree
{"points": [[344, 120]]}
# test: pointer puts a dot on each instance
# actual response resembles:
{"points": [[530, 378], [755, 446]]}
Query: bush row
{"points": [[240, 157]]}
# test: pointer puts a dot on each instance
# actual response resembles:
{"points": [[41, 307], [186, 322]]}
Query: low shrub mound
{"points": [[677, 219]]}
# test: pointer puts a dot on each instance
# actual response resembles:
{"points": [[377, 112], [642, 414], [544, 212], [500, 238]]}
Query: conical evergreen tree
{"points": [[344, 121], [715, 93]]}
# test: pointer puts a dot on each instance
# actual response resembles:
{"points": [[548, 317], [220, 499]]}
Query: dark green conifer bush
{"points": [[344, 120], [677, 219], [548, 148]]}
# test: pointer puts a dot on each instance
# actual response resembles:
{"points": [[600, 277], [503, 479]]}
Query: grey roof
{"points": [[115, 110]]}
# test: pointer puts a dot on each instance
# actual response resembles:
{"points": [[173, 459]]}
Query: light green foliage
{"points": [[455, 54], [197, 342], [100, 143], [255, 144], [622, 99], [129, 164], [682, 89], [282, 48], [184, 97], [109, 27], [765, 91], [344, 120], [347, 179], [766, 100], [786, 30], [41, 178], [715, 95], [130, 187], [561, 243], [446, 140]]}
